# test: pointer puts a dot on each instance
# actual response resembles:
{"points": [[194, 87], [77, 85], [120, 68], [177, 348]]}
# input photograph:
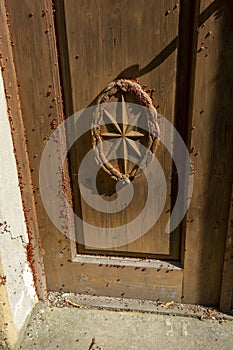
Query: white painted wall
{"points": [[13, 234]]}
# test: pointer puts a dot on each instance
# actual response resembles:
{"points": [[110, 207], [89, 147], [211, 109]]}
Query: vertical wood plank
{"points": [[35, 57], [226, 300], [34, 249], [186, 65], [211, 144]]}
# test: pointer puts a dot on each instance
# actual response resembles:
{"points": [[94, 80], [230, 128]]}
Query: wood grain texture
{"points": [[35, 58], [134, 39], [211, 140], [40, 94], [125, 278], [186, 65], [11, 84], [226, 300], [212, 144]]}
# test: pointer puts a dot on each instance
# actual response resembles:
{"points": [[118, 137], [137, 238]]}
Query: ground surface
{"points": [[73, 328]]}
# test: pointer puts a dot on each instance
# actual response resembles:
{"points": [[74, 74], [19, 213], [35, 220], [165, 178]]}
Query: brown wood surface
{"points": [[34, 251], [35, 58], [186, 66], [103, 43], [35, 49], [212, 145], [226, 300]]}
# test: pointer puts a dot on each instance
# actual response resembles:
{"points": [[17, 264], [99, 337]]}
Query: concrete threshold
{"points": [[71, 322], [127, 304]]}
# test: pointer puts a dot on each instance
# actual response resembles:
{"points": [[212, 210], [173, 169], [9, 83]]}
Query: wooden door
{"points": [[96, 43]]}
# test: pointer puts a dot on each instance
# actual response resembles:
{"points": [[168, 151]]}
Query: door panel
{"points": [[67, 269], [100, 43], [195, 274], [196, 277]]}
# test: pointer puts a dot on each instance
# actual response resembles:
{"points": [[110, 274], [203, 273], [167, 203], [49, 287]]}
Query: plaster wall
{"points": [[17, 290]]}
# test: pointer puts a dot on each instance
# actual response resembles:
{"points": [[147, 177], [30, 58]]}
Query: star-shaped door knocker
{"points": [[124, 133]]}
